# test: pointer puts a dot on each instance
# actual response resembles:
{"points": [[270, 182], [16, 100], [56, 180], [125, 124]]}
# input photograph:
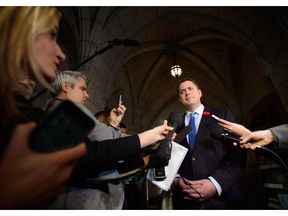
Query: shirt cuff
{"points": [[217, 186]]}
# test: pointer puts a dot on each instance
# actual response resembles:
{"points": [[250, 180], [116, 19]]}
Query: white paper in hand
{"points": [[178, 153]]}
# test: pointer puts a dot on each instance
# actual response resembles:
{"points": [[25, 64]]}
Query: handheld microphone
{"points": [[232, 138], [163, 153], [219, 134], [175, 119], [124, 42], [182, 134]]}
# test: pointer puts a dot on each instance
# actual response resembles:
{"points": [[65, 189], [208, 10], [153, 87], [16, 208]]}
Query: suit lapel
{"points": [[204, 126]]}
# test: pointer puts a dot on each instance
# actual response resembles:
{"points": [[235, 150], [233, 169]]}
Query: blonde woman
{"points": [[28, 49]]}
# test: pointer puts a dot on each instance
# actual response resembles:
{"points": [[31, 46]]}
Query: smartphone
{"points": [[120, 99], [64, 127], [159, 174], [215, 117]]}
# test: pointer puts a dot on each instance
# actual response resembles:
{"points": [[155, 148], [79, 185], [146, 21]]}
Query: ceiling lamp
{"points": [[176, 70]]}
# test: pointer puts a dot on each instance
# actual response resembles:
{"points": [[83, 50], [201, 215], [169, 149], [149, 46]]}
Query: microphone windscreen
{"points": [[176, 117], [163, 154], [116, 42], [182, 134]]}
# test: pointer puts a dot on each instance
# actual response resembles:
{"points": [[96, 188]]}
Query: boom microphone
{"points": [[125, 42], [163, 154]]}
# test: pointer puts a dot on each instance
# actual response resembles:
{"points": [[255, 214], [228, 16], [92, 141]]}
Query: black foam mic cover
{"points": [[175, 119], [182, 134], [163, 154]]}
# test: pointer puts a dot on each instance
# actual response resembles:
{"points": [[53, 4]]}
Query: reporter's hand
{"points": [[157, 133], [117, 114], [173, 136], [234, 128], [260, 138], [30, 179]]}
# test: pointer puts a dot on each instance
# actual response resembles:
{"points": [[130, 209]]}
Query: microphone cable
{"points": [[201, 197], [277, 158], [273, 153]]}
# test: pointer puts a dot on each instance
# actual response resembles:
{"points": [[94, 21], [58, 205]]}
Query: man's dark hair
{"points": [[184, 80]]}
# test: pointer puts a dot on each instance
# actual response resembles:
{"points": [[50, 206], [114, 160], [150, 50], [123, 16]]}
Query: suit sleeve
{"points": [[101, 152], [281, 133]]}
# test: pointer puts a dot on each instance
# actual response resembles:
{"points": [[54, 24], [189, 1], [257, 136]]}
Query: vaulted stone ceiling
{"points": [[237, 54]]}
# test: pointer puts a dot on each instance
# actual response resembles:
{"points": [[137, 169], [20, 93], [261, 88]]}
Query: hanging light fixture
{"points": [[176, 70]]}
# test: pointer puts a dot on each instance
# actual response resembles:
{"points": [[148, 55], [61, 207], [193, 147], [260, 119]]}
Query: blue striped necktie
{"points": [[192, 134]]}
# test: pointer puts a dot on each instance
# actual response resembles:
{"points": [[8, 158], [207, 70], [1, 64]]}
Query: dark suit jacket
{"points": [[210, 157], [277, 151], [281, 132]]}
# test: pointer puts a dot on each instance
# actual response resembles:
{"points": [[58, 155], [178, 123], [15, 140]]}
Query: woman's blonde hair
{"points": [[19, 27]]}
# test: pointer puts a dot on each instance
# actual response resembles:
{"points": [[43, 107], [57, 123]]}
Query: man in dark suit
{"points": [[210, 174]]}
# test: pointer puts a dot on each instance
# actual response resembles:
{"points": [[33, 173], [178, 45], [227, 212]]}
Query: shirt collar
{"points": [[199, 110]]}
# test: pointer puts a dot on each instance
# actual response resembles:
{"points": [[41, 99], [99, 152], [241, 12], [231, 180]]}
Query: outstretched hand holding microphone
{"points": [[257, 140], [163, 154]]}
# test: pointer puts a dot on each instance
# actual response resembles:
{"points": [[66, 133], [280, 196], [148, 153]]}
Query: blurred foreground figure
{"points": [[28, 50]]}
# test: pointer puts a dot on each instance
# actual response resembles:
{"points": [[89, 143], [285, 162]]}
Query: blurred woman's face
{"points": [[48, 54]]}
